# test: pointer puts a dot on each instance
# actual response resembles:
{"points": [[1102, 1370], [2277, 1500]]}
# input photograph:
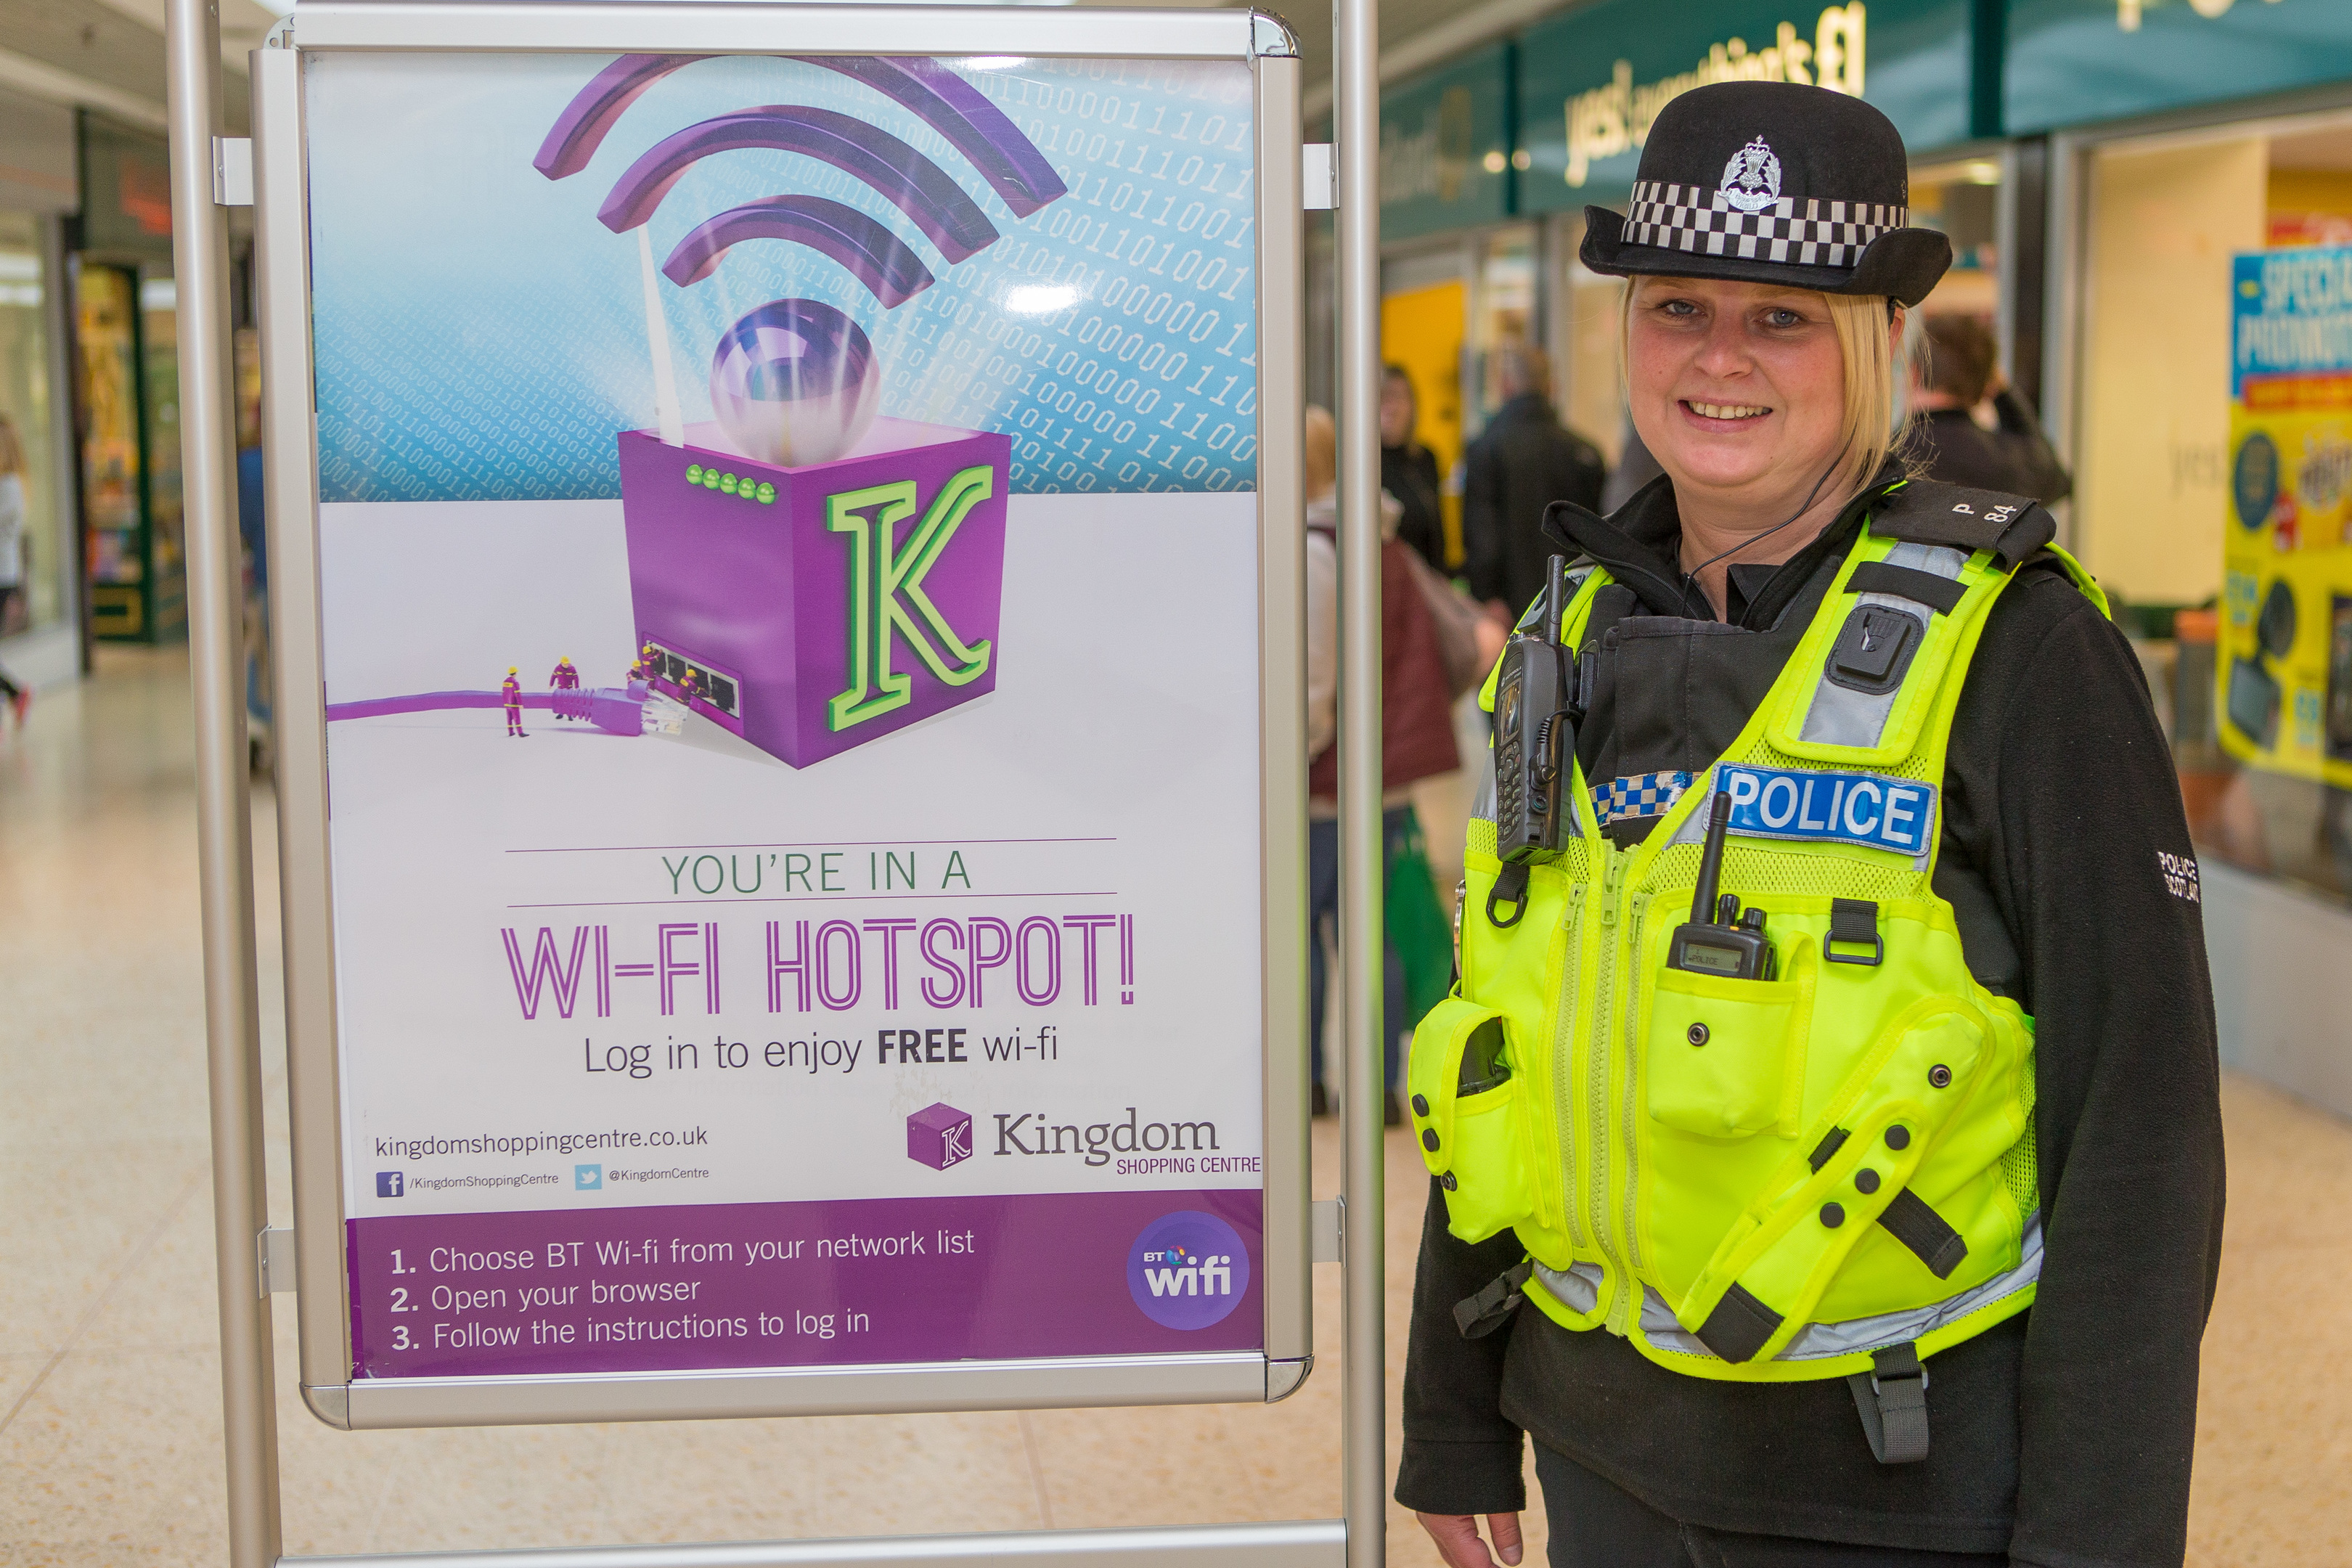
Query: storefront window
{"points": [[26, 402], [1502, 309], [1589, 346], [110, 467], [1962, 201], [2238, 599], [129, 338], [159, 344]]}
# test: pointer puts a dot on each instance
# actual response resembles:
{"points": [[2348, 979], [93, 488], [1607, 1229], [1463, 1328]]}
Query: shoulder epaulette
{"points": [[1930, 512]]}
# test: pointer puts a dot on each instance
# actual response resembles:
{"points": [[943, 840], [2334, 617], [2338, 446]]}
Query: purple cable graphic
{"points": [[795, 382], [614, 711]]}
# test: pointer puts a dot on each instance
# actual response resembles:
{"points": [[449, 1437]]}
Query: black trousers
{"points": [[1595, 1523]]}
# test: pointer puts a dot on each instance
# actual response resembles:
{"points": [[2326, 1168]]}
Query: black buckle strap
{"points": [[1490, 1309], [1911, 1222], [1739, 1326], [1892, 1400], [1854, 922], [1510, 888], [1942, 594]]}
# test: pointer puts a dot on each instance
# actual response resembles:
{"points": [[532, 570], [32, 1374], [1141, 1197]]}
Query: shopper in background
{"points": [[1417, 730], [11, 551], [1960, 371], [1409, 469], [1521, 463]]}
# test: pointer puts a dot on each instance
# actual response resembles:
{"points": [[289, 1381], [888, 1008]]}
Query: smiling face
{"points": [[1737, 389]]}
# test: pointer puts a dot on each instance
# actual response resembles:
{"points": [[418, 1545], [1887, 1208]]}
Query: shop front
{"points": [[2100, 167], [2200, 161], [39, 625], [1457, 274], [128, 387]]}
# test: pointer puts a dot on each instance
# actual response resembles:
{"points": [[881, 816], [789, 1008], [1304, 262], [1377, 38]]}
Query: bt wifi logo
{"points": [[1176, 1272], [1188, 1271]]}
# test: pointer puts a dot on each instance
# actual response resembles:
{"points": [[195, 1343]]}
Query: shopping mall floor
{"points": [[109, 1391]]}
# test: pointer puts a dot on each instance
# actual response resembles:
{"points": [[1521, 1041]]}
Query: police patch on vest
{"points": [[1869, 809]]}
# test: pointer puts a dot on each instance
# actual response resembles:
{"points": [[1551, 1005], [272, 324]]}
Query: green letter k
{"points": [[886, 601]]}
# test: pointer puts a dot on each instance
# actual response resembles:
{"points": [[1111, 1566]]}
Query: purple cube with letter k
{"points": [[938, 1135], [810, 610]]}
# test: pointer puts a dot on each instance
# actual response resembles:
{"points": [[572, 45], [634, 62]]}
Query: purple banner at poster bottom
{"points": [[723, 1286]]}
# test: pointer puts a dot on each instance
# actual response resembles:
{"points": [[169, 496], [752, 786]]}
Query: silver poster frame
{"points": [[282, 252]]}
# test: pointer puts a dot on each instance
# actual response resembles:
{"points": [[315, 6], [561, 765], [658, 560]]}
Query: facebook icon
{"points": [[390, 1184]]}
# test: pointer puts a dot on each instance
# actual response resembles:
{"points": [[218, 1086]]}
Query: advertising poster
{"points": [[2284, 665], [789, 601]]}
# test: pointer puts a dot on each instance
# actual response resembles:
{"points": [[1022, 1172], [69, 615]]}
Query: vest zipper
{"points": [[1596, 1087], [1564, 1063], [1632, 1038]]}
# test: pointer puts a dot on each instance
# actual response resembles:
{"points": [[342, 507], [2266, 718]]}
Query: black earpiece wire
{"points": [[1691, 577]]}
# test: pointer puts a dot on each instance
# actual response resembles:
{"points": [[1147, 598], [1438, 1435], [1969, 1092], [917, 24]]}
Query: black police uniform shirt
{"points": [[2063, 1436]]}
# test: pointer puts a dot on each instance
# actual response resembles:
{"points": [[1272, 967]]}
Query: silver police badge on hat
{"points": [[1751, 181]]}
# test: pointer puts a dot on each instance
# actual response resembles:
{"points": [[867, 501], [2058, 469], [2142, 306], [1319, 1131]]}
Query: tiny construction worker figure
{"points": [[510, 693], [564, 677]]}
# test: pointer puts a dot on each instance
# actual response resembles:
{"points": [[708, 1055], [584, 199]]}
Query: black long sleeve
{"points": [[2064, 1436], [2097, 878], [1460, 1453]]}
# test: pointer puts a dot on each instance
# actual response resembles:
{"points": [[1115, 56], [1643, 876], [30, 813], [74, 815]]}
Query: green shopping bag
{"points": [[1417, 926]]}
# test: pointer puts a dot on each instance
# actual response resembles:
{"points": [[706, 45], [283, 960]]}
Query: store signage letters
{"points": [[1615, 118], [1430, 161]]}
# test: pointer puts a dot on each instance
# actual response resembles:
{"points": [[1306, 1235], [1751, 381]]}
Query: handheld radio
{"points": [[1718, 940], [1535, 747], [1483, 1067]]}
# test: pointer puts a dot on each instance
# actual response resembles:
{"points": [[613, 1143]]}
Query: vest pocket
{"points": [[1474, 1143], [1722, 1056]]}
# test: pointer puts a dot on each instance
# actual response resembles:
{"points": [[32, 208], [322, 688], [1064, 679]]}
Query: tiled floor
{"points": [[109, 1380]]}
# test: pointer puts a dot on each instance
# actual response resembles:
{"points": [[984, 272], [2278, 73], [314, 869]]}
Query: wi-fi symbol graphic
{"points": [[795, 381]]}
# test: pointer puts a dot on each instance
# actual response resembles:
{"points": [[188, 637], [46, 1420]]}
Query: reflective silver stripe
{"points": [[1842, 716], [1578, 1290], [1820, 1341]]}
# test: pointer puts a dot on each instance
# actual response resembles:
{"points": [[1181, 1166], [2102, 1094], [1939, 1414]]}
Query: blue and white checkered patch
{"points": [[1638, 794]]}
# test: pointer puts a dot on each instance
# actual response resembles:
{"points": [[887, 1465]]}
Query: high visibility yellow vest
{"points": [[1761, 1180]]}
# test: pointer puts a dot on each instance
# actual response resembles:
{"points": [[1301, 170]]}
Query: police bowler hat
{"points": [[1772, 183]]}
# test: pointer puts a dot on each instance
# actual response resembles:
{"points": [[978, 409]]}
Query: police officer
{"points": [[1824, 1134]]}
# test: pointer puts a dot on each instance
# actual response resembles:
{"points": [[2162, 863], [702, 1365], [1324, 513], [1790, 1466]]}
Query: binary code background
{"points": [[480, 336]]}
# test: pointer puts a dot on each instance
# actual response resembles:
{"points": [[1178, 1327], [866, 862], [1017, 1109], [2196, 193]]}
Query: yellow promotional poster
{"points": [[2285, 667]]}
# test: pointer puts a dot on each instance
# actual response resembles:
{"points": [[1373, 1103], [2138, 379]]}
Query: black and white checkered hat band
{"points": [[1698, 219]]}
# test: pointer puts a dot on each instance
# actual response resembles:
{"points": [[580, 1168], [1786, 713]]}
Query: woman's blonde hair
{"points": [[1874, 368], [12, 448], [1318, 457]]}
